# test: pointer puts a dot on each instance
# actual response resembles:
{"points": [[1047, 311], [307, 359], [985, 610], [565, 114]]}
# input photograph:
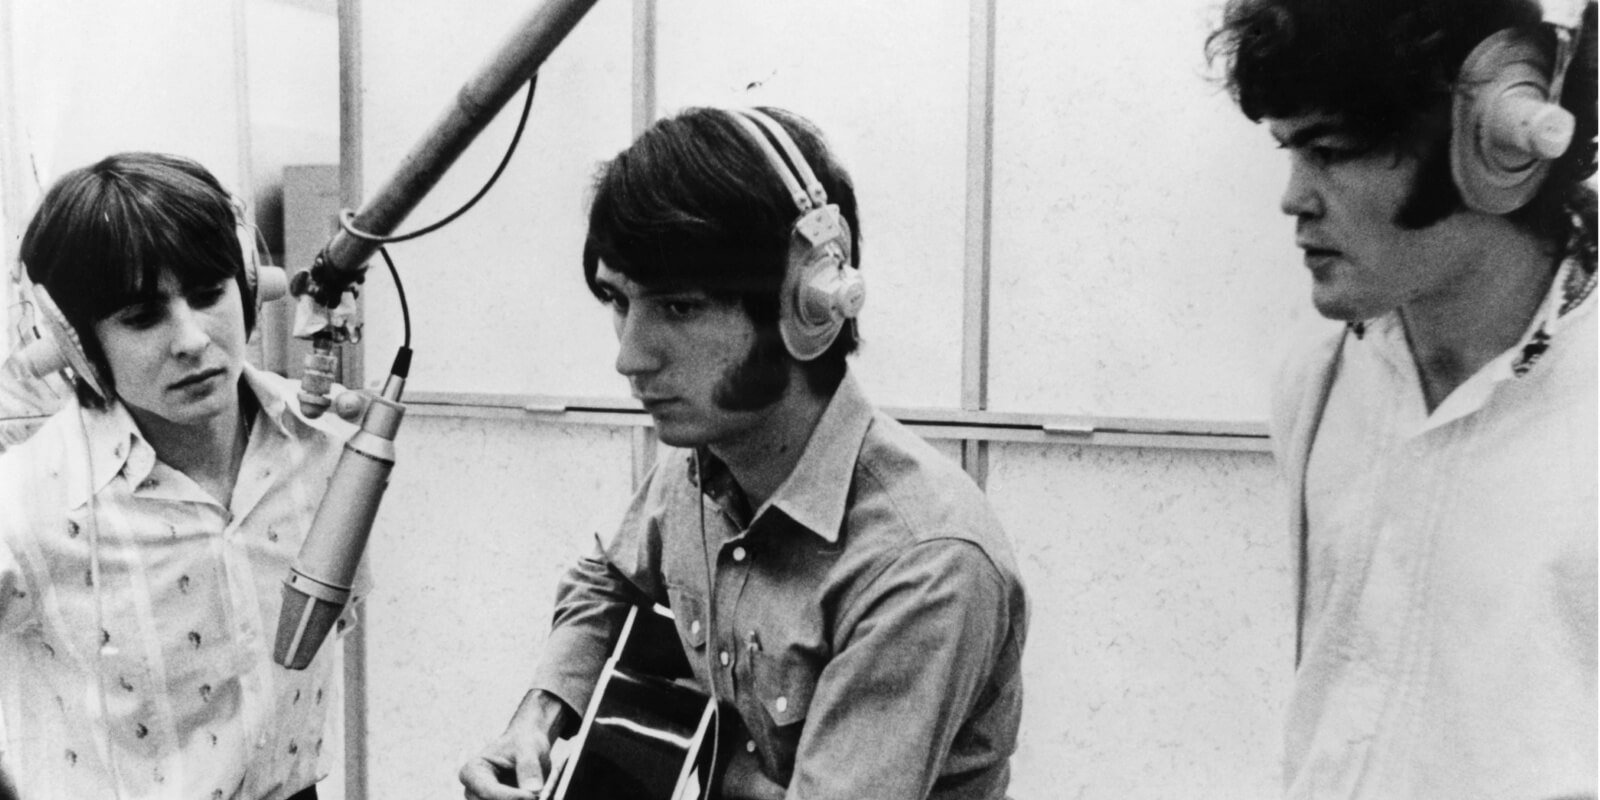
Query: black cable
{"points": [[347, 217], [400, 289]]}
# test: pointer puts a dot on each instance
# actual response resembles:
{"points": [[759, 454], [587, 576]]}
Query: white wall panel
{"points": [[1141, 267], [1160, 646]]}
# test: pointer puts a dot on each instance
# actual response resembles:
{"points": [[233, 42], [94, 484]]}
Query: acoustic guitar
{"points": [[647, 733]]}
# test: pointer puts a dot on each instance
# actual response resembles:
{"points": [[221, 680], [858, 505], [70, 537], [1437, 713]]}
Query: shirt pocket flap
{"points": [[784, 687], [688, 612]]}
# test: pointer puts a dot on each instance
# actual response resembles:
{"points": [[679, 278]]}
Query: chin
{"points": [[1338, 306], [677, 435]]}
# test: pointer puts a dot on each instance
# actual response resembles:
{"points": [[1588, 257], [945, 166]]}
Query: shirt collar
{"points": [[274, 404], [1571, 290], [1570, 293], [116, 446], [815, 492]]}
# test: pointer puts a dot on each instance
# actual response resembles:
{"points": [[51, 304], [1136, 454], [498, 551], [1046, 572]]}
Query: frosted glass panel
{"points": [[1141, 267]]}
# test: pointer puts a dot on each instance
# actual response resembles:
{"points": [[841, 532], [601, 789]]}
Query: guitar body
{"points": [[647, 732]]}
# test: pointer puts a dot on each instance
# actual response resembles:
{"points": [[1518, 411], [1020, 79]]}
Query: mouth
{"points": [[1317, 257], [653, 404], [199, 378]]}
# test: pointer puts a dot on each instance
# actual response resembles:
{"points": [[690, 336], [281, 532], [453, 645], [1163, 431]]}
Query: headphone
{"points": [[1507, 121], [821, 288], [59, 347]]}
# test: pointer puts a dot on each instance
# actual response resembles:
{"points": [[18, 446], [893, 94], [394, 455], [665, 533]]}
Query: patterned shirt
{"points": [[866, 623], [136, 630], [1449, 624]]}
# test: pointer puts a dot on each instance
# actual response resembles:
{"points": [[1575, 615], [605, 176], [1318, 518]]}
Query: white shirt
{"points": [[136, 632], [1449, 636]]}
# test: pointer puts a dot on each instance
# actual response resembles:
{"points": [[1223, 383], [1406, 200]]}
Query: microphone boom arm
{"points": [[319, 585], [342, 261]]}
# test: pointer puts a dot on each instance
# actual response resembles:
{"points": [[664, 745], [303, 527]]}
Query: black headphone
{"points": [[58, 347], [1507, 121], [821, 288]]}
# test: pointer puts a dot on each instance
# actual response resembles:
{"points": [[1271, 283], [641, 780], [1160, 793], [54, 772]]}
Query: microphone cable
{"points": [[347, 216], [400, 290]]}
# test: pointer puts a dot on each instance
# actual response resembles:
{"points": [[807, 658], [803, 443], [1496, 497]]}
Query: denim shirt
{"points": [[867, 622]]}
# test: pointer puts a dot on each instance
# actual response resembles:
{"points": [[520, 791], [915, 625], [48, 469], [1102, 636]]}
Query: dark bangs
{"points": [[103, 234], [692, 203]]}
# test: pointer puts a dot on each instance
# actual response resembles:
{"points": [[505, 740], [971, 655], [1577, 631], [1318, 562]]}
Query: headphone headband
{"points": [[796, 174], [821, 288]]}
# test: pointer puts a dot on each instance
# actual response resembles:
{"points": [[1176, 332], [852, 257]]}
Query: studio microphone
{"points": [[319, 585]]}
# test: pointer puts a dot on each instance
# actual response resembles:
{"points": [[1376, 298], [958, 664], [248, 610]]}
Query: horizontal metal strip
{"points": [[998, 426]]}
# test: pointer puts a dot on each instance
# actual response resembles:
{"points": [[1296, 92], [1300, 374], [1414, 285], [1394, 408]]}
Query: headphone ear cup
{"points": [[58, 347], [1506, 129], [266, 282], [820, 288]]}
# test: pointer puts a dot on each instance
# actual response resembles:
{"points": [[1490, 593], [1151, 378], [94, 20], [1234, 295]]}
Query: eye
{"points": [[682, 308], [139, 316], [616, 302], [1324, 155], [208, 296]]}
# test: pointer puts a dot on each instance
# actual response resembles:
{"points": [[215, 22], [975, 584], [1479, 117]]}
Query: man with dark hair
{"points": [[1440, 450], [843, 590], [146, 528]]}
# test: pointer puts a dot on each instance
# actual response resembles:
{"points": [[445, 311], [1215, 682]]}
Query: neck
{"points": [[762, 459], [209, 452], [1454, 333]]}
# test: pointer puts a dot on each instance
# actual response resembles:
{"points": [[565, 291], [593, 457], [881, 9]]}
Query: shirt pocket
{"points": [[784, 687], [689, 615]]}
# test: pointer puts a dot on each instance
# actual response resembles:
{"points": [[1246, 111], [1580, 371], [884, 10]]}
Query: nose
{"points": [[1300, 198], [189, 336], [637, 346]]}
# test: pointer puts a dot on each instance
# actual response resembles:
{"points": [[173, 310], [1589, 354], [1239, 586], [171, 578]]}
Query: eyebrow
{"points": [[608, 286], [1312, 131]]}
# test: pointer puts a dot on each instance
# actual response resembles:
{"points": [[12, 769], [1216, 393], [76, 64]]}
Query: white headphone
{"points": [[821, 289], [1508, 123], [59, 348]]}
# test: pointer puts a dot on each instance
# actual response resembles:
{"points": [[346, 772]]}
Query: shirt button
{"points": [[738, 554], [750, 746], [694, 628], [725, 658], [782, 704]]}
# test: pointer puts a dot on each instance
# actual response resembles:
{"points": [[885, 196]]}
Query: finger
{"points": [[530, 775], [481, 782]]}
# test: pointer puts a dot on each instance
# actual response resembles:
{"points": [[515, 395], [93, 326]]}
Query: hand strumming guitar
{"points": [[514, 765]]}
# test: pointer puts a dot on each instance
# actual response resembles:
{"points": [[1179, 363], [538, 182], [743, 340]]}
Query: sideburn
{"points": [[1434, 195], [760, 379]]}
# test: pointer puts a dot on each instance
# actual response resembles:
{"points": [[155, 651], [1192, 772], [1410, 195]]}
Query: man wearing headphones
{"points": [[844, 591], [1441, 448], [146, 528]]}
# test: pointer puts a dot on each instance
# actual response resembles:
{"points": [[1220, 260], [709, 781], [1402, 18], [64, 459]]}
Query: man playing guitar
{"points": [[843, 590]]}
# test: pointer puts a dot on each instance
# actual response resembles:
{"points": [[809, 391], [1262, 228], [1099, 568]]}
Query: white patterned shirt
{"points": [[136, 631]]}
